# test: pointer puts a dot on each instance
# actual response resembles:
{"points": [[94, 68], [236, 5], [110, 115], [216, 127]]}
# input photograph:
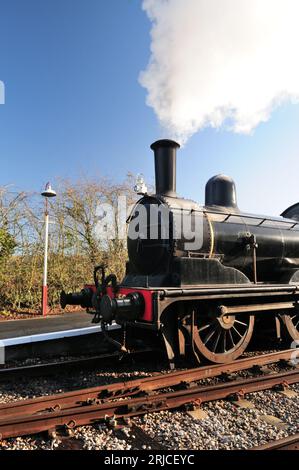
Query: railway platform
{"points": [[49, 336]]}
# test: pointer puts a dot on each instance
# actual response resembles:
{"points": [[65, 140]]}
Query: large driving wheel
{"points": [[222, 339], [291, 323]]}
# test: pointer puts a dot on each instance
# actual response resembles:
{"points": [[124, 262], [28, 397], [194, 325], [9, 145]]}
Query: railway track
{"points": [[57, 367], [287, 443], [117, 403]]}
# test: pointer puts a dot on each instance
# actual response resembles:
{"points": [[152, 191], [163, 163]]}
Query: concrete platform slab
{"points": [[61, 334], [33, 326], [13, 332]]}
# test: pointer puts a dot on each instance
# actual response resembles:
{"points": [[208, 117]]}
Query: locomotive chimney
{"points": [[165, 166]]}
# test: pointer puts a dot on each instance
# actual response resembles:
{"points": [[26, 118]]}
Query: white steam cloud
{"points": [[220, 62]]}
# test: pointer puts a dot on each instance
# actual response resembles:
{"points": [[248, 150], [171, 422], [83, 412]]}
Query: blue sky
{"points": [[74, 105]]}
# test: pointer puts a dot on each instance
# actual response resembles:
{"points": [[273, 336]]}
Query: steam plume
{"points": [[220, 62]]}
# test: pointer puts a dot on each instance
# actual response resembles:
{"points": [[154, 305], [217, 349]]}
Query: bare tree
{"points": [[74, 244]]}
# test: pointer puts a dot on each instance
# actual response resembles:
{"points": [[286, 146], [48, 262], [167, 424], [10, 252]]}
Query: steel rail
{"points": [[49, 368], [287, 443], [126, 408], [53, 368], [133, 387]]}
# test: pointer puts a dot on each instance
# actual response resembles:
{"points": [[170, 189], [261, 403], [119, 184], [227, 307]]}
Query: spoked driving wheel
{"points": [[291, 323], [222, 339]]}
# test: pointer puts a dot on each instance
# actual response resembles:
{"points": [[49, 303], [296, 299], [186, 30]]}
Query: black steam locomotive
{"points": [[199, 276]]}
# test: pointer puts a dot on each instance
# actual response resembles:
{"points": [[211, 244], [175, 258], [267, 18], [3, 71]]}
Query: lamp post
{"points": [[47, 193]]}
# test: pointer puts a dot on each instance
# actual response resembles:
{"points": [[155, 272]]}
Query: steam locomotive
{"points": [[201, 288]]}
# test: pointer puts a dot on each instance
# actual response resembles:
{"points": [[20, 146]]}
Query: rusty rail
{"points": [[127, 408], [287, 443], [133, 387], [120, 401], [49, 368], [54, 368]]}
